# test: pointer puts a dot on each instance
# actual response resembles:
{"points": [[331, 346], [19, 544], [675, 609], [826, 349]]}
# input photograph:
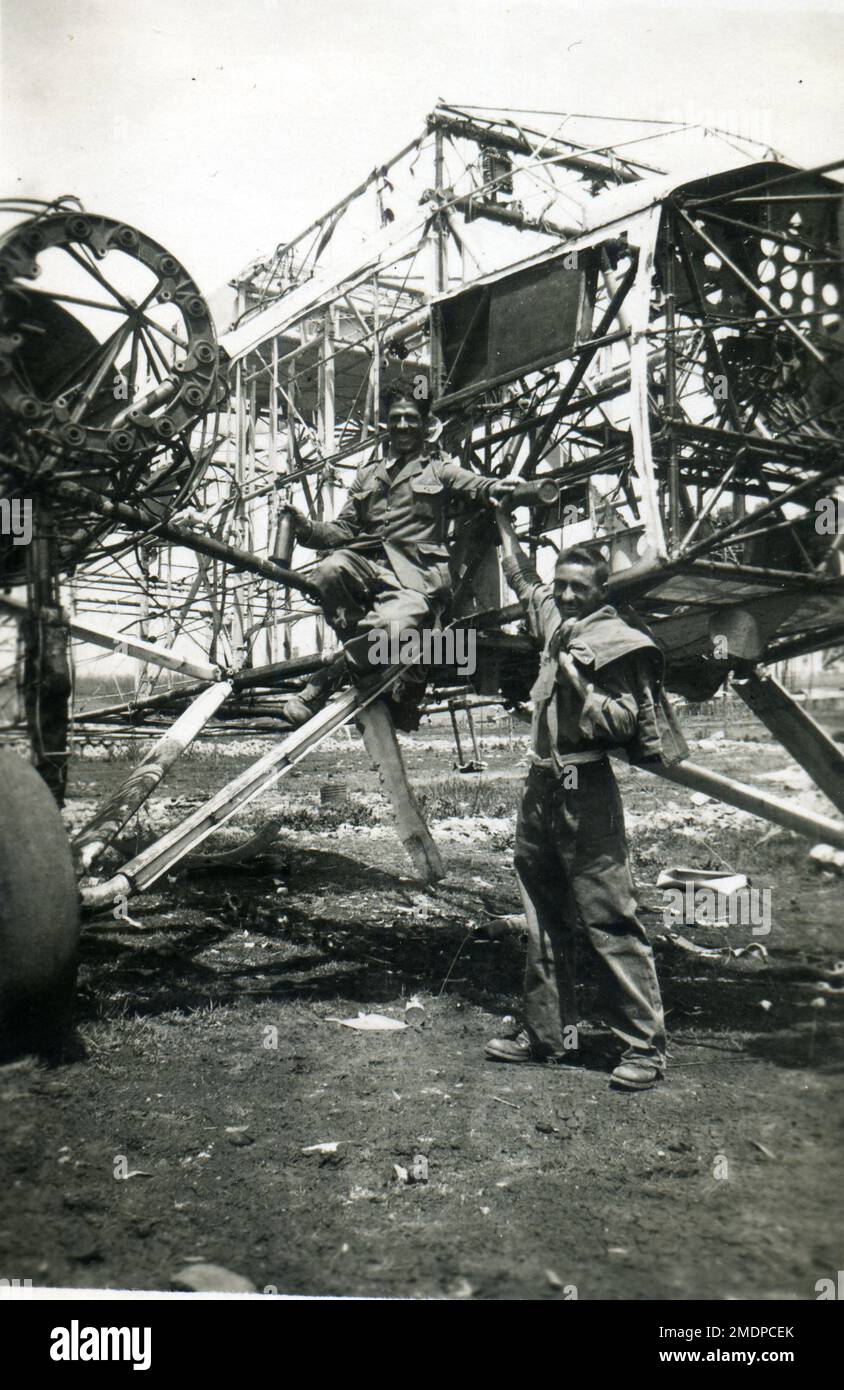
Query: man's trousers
{"points": [[361, 597], [573, 870]]}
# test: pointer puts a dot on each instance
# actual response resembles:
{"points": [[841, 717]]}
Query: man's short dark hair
{"points": [[415, 393], [589, 559]]}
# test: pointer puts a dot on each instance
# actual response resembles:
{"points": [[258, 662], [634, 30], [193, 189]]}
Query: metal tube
{"points": [[511, 218], [135, 520], [487, 135], [268, 676], [350, 197], [788, 495], [156, 859], [671, 380], [746, 798], [119, 642], [110, 818], [456, 732], [769, 183]]}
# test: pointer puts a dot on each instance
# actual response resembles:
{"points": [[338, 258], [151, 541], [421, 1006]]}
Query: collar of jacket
{"points": [[603, 637], [409, 469]]}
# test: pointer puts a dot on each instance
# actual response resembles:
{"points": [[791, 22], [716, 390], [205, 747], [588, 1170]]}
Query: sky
{"points": [[221, 127]]}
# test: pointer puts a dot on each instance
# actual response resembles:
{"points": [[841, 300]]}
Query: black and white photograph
{"points": [[422, 663]]}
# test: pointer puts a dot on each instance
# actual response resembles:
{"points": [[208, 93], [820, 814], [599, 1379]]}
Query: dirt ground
{"points": [[208, 1061]]}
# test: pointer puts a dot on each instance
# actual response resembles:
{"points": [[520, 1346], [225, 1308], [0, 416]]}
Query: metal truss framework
{"points": [[662, 341], [676, 368], [688, 405]]}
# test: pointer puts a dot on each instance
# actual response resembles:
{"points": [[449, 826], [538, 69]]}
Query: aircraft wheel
{"points": [[39, 909]]}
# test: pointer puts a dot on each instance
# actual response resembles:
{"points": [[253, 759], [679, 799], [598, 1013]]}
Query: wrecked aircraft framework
{"points": [[645, 315]]}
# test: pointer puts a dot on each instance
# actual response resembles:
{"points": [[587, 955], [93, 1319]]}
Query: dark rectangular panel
{"points": [[534, 316], [465, 329], [507, 327]]}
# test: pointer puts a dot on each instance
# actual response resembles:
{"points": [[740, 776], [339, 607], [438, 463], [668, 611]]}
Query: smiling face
{"points": [[576, 590], [406, 428]]}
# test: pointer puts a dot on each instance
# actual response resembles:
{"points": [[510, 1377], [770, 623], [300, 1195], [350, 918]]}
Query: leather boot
{"points": [[298, 709]]}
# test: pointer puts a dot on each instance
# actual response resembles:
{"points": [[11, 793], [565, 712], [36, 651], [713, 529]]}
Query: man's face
{"points": [[575, 591], [406, 428]]}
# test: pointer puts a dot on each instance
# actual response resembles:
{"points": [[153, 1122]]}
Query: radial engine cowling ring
{"points": [[153, 371]]}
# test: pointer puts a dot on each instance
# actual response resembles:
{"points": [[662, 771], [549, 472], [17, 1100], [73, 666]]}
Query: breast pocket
{"points": [[427, 491], [429, 506]]}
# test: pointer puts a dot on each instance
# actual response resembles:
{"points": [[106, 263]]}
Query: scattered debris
{"points": [[370, 1023], [414, 1012], [499, 925], [416, 1173], [703, 897], [496, 832], [243, 852], [126, 921], [207, 1278], [502, 1101], [714, 952], [715, 879], [794, 779], [828, 857], [762, 1149], [237, 1135], [461, 1288], [554, 1279], [771, 834], [334, 793], [753, 948], [328, 1148]]}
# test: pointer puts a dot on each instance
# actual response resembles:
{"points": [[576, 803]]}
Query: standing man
{"points": [[388, 567], [594, 694]]}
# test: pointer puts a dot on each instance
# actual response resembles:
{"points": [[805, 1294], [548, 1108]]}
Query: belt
{"points": [[545, 765], [567, 759]]}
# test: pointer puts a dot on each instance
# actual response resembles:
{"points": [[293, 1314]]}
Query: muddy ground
{"points": [[208, 1061]]}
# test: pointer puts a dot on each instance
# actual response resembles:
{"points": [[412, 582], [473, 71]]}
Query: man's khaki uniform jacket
{"points": [[622, 666], [405, 512]]}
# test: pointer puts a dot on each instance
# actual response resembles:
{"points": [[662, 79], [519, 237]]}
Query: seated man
{"points": [[594, 692], [388, 567]]}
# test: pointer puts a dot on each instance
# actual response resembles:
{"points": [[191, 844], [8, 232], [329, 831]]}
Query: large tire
{"points": [[39, 911]]}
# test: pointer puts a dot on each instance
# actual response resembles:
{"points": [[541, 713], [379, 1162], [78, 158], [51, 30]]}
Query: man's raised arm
{"points": [[535, 597]]}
